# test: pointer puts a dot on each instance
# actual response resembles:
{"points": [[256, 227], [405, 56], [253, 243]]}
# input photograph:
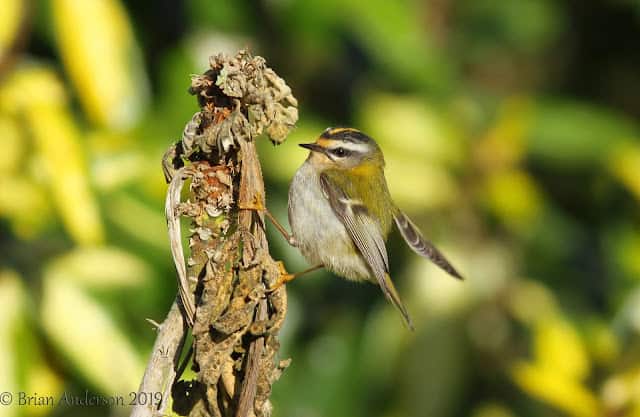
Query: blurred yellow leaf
{"points": [[12, 304], [625, 250], [418, 145], [433, 291], [117, 159], [10, 20], [116, 170], [561, 365], [12, 145], [417, 184], [31, 86], [100, 53], [43, 380], [87, 336], [603, 344], [22, 364], [101, 267], [408, 125], [504, 145], [514, 197], [559, 348], [39, 97], [625, 165], [557, 389], [57, 140], [25, 204], [531, 302]]}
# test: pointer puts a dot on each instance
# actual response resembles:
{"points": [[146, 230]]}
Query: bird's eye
{"points": [[339, 152]]}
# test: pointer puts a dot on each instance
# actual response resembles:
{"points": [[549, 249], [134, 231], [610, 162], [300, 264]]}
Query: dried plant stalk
{"points": [[161, 370], [225, 287]]}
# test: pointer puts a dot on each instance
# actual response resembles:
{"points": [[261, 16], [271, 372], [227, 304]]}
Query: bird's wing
{"points": [[420, 245], [366, 235]]}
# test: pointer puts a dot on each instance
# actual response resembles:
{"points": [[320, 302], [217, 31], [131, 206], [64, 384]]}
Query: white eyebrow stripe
{"points": [[353, 147]]}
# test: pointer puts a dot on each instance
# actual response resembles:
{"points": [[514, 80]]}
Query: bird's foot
{"points": [[283, 277]]}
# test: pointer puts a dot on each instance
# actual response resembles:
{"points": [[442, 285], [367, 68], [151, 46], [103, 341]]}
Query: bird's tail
{"points": [[390, 292]]}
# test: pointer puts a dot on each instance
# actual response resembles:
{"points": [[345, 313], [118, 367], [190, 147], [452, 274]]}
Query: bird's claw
{"points": [[283, 278]]}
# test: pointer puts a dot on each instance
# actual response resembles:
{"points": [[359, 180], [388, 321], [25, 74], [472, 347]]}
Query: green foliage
{"points": [[510, 133]]}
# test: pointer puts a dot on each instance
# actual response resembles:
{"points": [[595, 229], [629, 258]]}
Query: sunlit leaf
{"points": [[416, 185], [13, 146], [25, 204], [531, 302], [31, 86], [559, 348], [623, 249], [409, 125], [602, 343], [100, 53], [432, 290], [12, 305], [84, 332], [10, 20], [37, 94], [57, 139], [42, 379], [625, 165], [564, 393], [100, 267], [23, 366], [115, 161], [514, 197], [418, 146]]}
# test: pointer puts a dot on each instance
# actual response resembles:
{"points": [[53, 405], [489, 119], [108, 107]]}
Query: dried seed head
{"points": [[243, 97]]}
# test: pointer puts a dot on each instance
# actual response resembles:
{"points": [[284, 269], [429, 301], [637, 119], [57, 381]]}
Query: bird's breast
{"points": [[320, 235]]}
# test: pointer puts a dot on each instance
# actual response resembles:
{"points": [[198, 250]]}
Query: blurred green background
{"points": [[511, 134]]}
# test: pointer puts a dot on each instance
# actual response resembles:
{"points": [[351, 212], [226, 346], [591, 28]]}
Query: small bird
{"points": [[341, 212]]}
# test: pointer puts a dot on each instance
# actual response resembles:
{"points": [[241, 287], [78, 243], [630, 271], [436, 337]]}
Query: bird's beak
{"points": [[313, 147]]}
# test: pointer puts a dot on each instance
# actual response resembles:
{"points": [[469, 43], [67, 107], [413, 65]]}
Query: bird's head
{"points": [[344, 148]]}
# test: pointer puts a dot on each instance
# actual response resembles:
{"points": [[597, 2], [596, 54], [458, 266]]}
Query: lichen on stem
{"points": [[224, 286]]}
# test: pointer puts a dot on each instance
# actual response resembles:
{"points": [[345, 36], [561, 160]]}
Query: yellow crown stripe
{"points": [[324, 142], [337, 130]]}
